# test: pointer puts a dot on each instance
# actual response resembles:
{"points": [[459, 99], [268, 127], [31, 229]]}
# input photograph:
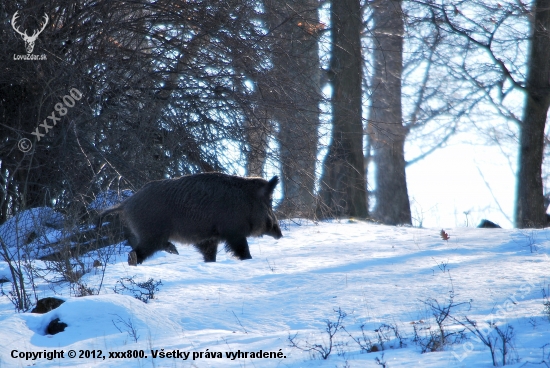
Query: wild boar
{"points": [[203, 210]]}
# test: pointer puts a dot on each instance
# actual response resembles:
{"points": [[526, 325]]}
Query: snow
{"points": [[108, 199], [375, 274], [31, 232], [38, 223], [17, 229]]}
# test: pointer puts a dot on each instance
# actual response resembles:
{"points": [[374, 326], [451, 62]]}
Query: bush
{"points": [[143, 291]]}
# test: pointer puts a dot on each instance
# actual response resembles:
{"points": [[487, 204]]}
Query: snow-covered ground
{"points": [[379, 276]]}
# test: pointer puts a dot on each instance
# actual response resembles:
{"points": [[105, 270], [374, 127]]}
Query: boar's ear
{"points": [[267, 191], [272, 184]]}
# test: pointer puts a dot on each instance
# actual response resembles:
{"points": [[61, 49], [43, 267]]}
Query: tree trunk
{"points": [[257, 136], [530, 211], [295, 93], [343, 183], [386, 130]]}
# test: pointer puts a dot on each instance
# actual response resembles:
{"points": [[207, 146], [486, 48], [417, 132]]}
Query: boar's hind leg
{"points": [[239, 247], [138, 257], [208, 249]]}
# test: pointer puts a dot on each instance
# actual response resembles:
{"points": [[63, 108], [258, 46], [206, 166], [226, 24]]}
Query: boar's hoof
{"points": [[170, 248]]}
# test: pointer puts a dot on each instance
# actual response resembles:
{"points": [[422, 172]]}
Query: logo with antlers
{"points": [[29, 40]]}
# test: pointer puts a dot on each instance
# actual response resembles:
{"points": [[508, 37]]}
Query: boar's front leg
{"points": [[239, 247], [170, 248], [208, 249]]}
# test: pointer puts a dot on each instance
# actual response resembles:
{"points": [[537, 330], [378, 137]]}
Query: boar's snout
{"points": [[275, 231]]}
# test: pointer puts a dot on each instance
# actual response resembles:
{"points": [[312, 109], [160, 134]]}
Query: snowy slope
{"points": [[375, 274]]}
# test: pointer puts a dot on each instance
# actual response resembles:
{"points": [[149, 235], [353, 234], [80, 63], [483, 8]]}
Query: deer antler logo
{"points": [[29, 40]]}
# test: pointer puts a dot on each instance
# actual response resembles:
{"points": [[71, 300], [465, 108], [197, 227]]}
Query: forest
{"points": [[113, 94]]}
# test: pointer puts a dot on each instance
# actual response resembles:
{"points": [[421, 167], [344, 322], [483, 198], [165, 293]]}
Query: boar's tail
{"points": [[105, 213]]}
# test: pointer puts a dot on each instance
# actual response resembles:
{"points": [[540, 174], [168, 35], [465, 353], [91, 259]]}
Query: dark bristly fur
{"points": [[201, 209]]}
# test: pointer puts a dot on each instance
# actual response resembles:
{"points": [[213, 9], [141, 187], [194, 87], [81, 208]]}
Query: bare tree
{"points": [[386, 127], [295, 98], [530, 210], [497, 33], [162, 95], [343, 189]]}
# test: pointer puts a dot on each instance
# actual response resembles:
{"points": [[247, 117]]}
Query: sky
{"points": [[460, 178]]}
